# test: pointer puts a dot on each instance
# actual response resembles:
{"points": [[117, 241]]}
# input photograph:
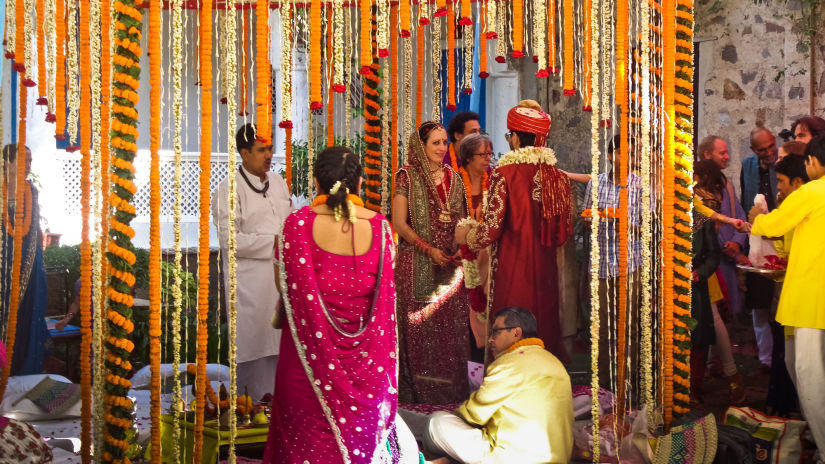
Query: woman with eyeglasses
{"points": [[432, 303], [475, 155]]}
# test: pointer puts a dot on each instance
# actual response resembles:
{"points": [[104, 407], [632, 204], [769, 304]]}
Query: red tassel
{"points": [[468, 91], [316, 106], [60, 137], [518, 54], [587, 108], [50, 117], [224, 100], [339, 88], [29, 83], [605, 123], [423, 21], [543, 73], [492, 35], [73, 148], [501, 59], [452, 107], [484, 74], [405, 34], [42, 101], [9, 55], [440, 12], [464, 21], [365, 70], [569, 92], [383, 53], [535, 59], [287, 124]]}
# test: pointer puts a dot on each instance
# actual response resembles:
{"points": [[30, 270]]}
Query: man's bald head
{"points": [[763, 143]]}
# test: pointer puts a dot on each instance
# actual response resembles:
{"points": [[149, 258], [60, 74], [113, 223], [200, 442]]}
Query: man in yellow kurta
{"points": [[523, 412], [802, 303]]}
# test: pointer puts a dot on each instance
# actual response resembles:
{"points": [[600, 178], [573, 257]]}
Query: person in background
{"points": [[433, 304], [782, 397], [758, 176], [523, 411], [475, 154], [793, 147], [461, 125], [31, 334], [262, 202], [710, 184], [802, 302], [732, 241], [807, 127]]}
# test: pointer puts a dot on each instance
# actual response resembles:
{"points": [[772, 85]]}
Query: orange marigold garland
{"points": [[405, 19], [155, 108], [41, 54], [120, 254], [85, 244], [244, 47], [551, 36], [365, 35], [316, 76], [669, 213], [586, 75], [373, 165], [451, 105], [518, 28], [263, 115], [683, 156], [569, 64], [482, 41], [205, 35], [17, 254]]}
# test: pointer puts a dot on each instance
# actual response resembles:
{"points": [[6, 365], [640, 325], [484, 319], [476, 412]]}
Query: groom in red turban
{"points": [[527, 217]]}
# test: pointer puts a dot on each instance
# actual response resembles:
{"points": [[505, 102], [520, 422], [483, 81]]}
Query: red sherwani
{"points": [[527, 218]]}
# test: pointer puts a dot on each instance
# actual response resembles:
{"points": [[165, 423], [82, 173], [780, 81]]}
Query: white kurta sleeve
{"points": [[248, 245]]}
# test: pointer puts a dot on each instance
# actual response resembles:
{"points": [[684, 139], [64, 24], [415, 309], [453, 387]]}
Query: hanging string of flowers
{"points": [[176, 13], [419, 69], [450, 56], [396, 83], [10, 32], [683, 88], [244, 46], [72, 74], [30, 54], [501, 26], [205, 162], [330, 94], [386, 119], [85, 244], [595, 261], [435, 48], [408, 94], [21, 187], [405, 19], [41, 54], [286, 86], [49, 32], [316, 77], [383, 38], [569, 66], [622, 25], [647, 216], [518, 28], [229, 68], [263, 116], [551, 36], [120, 253], [482, 40], [100, 282], [373, 165], [338, 46], [365, 34], [586, 65], [668, 211], [60, 71], [155, 60], [469, 51]]}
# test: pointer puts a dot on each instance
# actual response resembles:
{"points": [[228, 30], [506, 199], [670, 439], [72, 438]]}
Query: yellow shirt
{"points": [[802, 303], [525, 408]]}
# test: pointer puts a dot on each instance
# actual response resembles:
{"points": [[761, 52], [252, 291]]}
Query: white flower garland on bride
{"points": [[472, 277], [529, 155]]}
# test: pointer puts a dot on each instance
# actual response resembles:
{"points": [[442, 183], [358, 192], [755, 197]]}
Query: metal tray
{"points": [[769, 273]]}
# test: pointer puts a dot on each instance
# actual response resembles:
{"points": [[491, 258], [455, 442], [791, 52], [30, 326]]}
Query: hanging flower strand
{"points": [[119, 249], [338, 46], [60, 72], [518, 28], [482, 40], [451, 105], [539, 39], [263, 116], [569, 63], [316, 76], [551, 36], [365, 34], [405, 19], [41, 54]]}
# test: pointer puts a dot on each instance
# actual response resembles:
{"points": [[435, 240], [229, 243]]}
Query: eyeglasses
{"points": [[495, 331], [487, 154], [508, 135]]}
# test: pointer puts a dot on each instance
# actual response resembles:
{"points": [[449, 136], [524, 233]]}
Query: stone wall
{"points": [[753, 69]]}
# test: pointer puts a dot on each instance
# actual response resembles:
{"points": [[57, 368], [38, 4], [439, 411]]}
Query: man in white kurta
{"points": [[262, 204]]}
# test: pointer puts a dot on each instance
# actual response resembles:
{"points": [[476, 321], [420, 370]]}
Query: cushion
{"points": [[17, 406], [142, 378]]}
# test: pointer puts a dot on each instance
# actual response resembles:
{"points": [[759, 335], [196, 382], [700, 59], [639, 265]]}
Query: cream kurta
{"points": [[258, 222]]}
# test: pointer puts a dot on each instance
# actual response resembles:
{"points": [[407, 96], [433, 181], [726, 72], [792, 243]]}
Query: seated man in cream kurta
{"points": [[262, 203], [523, 412]]}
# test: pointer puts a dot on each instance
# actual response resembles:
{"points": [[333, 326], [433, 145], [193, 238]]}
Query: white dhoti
{"points": [[809, 364]]}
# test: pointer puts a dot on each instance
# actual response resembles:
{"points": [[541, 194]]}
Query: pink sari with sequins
{"points": [[336, 385]]}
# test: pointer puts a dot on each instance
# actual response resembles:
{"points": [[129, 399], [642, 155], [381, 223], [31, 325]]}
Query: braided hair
{"points": [[338, 170]]}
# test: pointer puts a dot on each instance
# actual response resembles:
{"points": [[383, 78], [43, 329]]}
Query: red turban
{"points": [[524, 119]]}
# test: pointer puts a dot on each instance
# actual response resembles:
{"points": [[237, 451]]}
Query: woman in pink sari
{"points": [[336, 385]]}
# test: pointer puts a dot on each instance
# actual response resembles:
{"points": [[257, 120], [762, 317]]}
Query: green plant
{"points": [[65, 258]]}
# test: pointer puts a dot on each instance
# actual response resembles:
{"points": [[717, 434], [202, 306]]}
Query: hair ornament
{"points": [[335, 187]]}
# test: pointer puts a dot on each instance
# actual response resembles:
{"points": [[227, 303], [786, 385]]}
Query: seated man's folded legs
{"points": [[448, 434]]}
